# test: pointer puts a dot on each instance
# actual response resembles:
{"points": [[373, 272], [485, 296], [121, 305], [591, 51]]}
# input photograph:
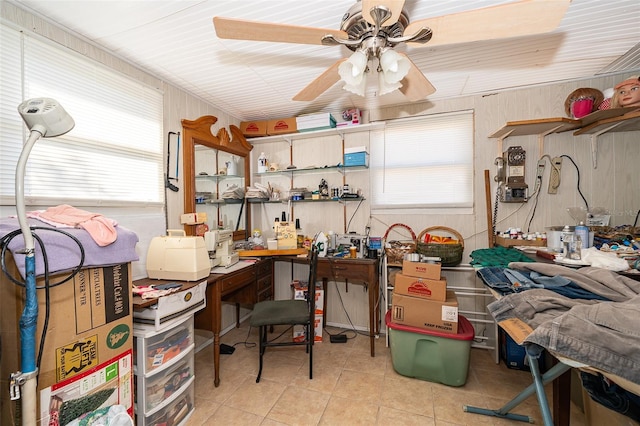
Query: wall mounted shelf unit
{"points": [[595, 124], [289, 137], [328, 165]]}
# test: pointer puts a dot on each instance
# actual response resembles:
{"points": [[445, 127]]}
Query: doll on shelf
{"points": [[627, 93]]}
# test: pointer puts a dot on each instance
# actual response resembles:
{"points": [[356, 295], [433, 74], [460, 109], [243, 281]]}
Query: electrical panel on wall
{"points": [[510, 175]]}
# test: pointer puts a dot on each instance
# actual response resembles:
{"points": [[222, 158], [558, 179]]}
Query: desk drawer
{"points": [[264, 283], [263, 268], [237, 280], [343, 269], [265, 295]]}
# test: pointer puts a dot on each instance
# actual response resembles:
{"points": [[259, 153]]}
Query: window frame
{"points": [[134, 175], [382, 174]]}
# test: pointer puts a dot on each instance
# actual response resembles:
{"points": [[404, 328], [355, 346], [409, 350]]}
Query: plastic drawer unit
{"points": [[161, 386], [164, 372], [173, 307], [431, 355], [175, 412], [155, 349]]}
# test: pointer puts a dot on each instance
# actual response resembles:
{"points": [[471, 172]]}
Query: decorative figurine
{"points": [[324, 189], [627, 93]]}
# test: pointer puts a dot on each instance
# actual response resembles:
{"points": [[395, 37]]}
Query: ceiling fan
{"points": [[372, 28]]}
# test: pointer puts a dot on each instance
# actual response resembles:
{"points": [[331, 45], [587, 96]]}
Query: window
{"points": [[423, 163], [113, 155]]}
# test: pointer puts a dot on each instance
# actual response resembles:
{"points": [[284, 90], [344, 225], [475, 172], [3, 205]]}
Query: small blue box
{"points": [[515, 356], [356, 159]]}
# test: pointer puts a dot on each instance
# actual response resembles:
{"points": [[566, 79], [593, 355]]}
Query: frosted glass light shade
{"points": [[394, 66], [352, 72], [385, 87]]}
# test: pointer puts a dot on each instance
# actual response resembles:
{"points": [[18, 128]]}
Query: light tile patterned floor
{"points": [[349, 387]]}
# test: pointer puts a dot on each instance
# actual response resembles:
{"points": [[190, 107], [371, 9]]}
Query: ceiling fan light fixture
{"points": [[352, 70], [385, 86], [393, 67]]}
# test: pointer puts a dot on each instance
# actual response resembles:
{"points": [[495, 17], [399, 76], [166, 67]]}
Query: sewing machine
{"points": [[219, 244]]}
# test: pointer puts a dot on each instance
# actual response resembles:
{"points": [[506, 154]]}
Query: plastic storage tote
{"points": [[431, 355]]}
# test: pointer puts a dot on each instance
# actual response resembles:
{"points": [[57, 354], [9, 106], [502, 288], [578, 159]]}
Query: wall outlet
{"points": [[554, 177]]}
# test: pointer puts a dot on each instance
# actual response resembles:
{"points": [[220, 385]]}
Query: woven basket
{"points": [[397, 249], [451, 254]]}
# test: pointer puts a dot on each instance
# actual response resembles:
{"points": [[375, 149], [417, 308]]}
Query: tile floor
{"points": [[349, 387]]}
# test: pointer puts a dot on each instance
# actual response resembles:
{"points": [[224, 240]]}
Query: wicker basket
{"points": [[451, 254], [397, 249]]}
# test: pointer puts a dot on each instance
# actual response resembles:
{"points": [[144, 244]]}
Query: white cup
{"points": [[272, 244]]}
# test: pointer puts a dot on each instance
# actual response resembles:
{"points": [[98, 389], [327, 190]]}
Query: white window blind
{"points": [[112, 156], [423, 162]]}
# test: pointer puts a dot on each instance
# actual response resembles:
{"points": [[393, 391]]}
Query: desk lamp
{"points": [[45, 118]]}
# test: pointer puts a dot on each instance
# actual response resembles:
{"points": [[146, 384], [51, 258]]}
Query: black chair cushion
{"points": [[275, 312]]}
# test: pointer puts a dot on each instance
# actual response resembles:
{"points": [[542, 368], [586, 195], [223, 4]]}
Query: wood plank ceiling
{"points": [[175, 40]]}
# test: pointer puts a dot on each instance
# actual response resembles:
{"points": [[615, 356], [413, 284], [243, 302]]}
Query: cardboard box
{"points": [[352, 149], [299, 289], [299, 333], [90, 323], [422, 270], [281, 126], [421, 287], [311, 122], [514, 355], [351, 116], [356, 159], [253, 128], [426, 314], [193, 218], [111, 381]]}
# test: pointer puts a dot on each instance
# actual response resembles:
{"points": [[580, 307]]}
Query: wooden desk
{"points": [[254, 283], [358, 271], [248, 285], [245, 286]]}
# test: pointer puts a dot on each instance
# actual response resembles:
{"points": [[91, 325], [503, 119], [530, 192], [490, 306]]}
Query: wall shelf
{"points": [[306, 200], [338, 168], [597, 123], [336, 131]]}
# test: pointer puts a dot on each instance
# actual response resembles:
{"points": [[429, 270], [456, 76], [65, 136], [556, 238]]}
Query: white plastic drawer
{"points": [[154, 351], [176, 413], [161, 387], [173, 306]]}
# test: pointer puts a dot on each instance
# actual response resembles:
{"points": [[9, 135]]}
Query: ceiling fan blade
{"points": [[239, 29], [415, 85], [320, 84], [395, 6], [520, 18]]}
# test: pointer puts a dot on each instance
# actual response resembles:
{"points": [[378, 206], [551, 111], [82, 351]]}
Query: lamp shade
{"points": [[352, 72], [394, 67], [385, 87]]}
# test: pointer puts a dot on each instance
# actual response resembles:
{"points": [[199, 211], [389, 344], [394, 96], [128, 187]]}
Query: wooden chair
{"points": [[269, 313]]}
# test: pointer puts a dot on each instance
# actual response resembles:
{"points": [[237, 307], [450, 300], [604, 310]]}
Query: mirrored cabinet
{"points": [[217, 173]]}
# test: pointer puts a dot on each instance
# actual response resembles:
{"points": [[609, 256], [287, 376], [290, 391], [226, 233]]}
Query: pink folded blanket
{"points": [[101, 229]]}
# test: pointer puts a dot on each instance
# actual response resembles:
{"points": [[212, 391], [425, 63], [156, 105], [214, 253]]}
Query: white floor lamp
{"points": [[45, 118]]}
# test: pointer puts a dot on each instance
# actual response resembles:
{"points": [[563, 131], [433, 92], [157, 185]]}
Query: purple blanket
{"points": [[63, 253]]}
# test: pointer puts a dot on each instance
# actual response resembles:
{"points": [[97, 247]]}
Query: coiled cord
{"points": [[4, 243]]}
